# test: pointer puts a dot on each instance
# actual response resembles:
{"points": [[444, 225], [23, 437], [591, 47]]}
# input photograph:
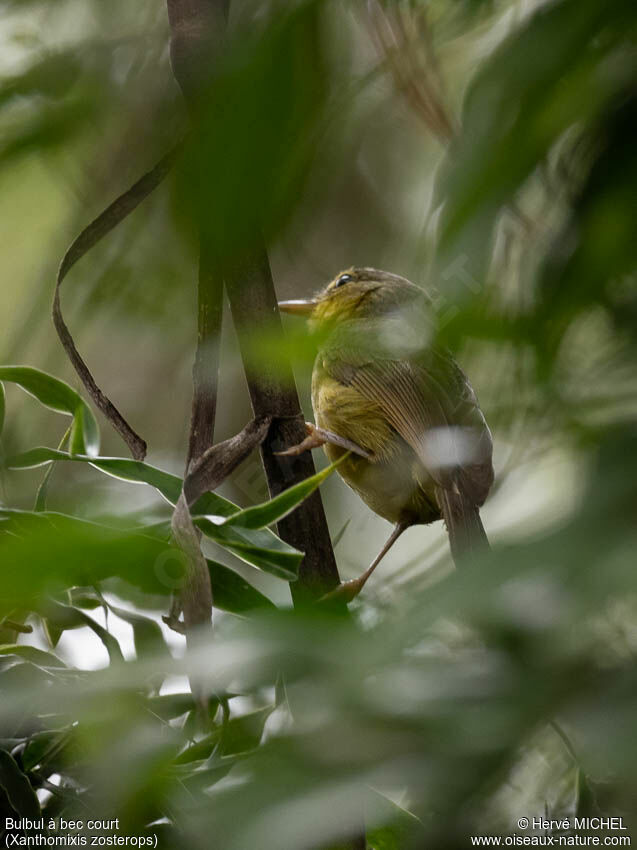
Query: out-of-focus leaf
{"points": [[17, 787], [540, 81], [49, 76], [2, 407], [32, 654], [393, 828], [43, 747], [596, 245], [47, 127], [169, 706], [239, 735], [49, 552], [259, 547], [58, 396], [147, 633], [67, 617], [231, 592], [259, 126]]}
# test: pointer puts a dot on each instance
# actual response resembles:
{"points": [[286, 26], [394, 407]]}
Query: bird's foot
{"points": [[313, 440], [317, 437]]}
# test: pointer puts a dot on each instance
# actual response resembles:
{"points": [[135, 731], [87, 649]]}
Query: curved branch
{"points": [[87, 239]]}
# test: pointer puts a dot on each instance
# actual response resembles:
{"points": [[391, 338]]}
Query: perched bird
{"points": [[419, 446]]}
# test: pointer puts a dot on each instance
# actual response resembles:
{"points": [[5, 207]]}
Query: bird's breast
{"points": [[391, 484]]}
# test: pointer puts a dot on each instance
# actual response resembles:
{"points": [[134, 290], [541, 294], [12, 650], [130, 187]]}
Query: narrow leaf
{"points": [[267, 513], [231, 592], [147, 634], [67, 617], [32, 654], [259, 547], [17, 787], [59, 396]]}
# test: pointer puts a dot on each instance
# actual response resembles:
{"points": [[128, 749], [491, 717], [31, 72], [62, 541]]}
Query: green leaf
{"points": [[17, 787], [169, 706], [280, 506], [392, 827], [231, 592], [67, 617], [2, 406], [32, 654], [58, 396], [84, 433], [45, 746], [269, 553], [147, 634], [259, 547], [46, 553], [239, 735]]}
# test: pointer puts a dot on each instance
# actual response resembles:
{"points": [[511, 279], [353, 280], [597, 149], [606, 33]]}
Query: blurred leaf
{"points": [[231, 592], [48, 552], [259, 127], [49, 76], [32, 654], [148, 636], [66, 617], [169, 706], [58, 396], [238, 735], [2, 407], [259, 547], [44, 747], [397, 828], [17, 787], [541, 80], [596, 245]]}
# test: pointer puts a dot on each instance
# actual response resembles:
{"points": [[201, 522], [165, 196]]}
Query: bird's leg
{"points": [[349, 590], [318, 437]]}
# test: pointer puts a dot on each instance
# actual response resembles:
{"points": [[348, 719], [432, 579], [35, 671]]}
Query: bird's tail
{"points": [[467, 536]]}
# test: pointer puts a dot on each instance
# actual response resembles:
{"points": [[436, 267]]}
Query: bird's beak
{"points": [[297, 308]]}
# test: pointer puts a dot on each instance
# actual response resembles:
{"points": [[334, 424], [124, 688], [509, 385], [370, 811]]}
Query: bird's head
{"points": [[356, 293]]}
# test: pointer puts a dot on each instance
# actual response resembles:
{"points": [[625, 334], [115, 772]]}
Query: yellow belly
{"points": [[394, 484]]}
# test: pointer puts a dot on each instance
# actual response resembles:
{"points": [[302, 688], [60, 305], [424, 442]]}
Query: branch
{"points": [[219, 461], [195, 25], [88, 238], [273, 393]]}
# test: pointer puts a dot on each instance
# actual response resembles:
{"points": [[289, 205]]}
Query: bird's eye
{"points": [[343, 279]]}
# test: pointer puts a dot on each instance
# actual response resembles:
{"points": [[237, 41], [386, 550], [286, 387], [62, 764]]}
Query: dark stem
{"points": [[206, 366], [195, 26], [273, 392]]}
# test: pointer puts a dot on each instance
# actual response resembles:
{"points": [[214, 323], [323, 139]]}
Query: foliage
{"points": [[450, 704]]}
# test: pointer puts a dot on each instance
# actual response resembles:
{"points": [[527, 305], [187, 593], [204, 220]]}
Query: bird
{"points": [[398, 404]]}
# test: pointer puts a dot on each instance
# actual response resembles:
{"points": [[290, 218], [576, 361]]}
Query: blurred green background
{"points": [[486, 150]]}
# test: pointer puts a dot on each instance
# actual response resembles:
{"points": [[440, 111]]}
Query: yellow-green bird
{"points": [[420, 448]]}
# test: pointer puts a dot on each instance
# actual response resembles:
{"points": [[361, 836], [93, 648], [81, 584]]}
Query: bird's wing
{"points": [[431, 404]]}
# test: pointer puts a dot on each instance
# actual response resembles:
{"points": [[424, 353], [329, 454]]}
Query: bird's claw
{"points": [[317, 437], [314, 440]]}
